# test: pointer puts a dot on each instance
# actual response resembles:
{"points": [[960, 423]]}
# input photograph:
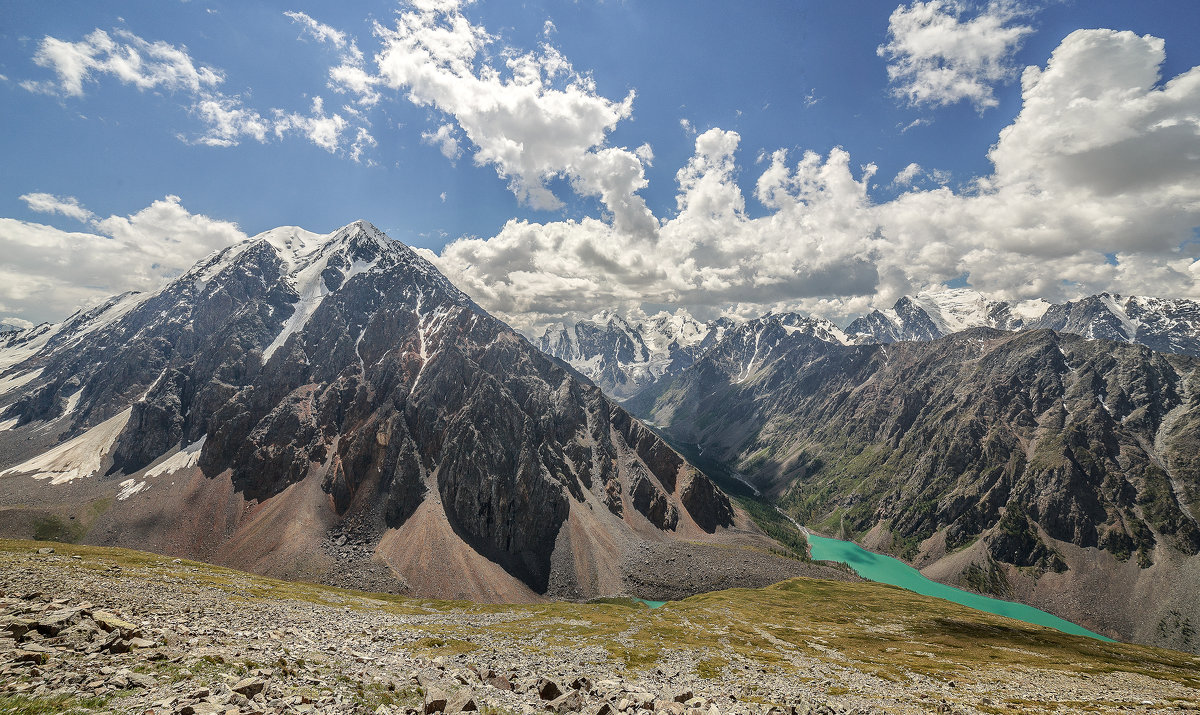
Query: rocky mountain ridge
{"points": [[330, 407]]}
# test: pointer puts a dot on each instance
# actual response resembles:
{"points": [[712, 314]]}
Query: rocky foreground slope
{"points": [[103, 630], [1038, 466], [330, 407]]}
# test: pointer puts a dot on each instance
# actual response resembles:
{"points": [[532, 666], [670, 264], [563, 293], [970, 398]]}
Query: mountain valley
{"points": [[1034, 465]]}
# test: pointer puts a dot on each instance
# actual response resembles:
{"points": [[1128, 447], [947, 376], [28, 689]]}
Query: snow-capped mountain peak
{"points": [[625, 356], [929, 315], [1165, 324]]}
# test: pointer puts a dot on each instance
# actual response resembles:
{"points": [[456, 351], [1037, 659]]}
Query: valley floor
{"points": [[96, 629]]}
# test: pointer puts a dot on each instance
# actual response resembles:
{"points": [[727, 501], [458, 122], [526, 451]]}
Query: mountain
{"points": [[1038, 466], [933, 314], [626, 358], [1171, 326], [332, 408], [1165, 325]]}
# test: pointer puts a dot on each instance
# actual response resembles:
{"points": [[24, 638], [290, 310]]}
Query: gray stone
{"points": [[571, 701], [461, 702], [435, 701], [249, 687]]}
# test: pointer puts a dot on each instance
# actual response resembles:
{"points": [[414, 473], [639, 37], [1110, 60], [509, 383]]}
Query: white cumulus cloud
{"points": [[68, 206], [46, 273], [533, 118], [124, 55], [907, 176], [938, 56], [318, 31], [227, 120], [445, 140]]}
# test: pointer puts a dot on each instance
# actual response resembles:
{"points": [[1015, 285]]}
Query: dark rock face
{"points": [[984, 434], [351, 358]]}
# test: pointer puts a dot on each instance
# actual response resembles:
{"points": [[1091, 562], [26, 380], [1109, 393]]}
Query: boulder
{"points": [[569, 702], [461, 702], [249, 687], [435, 701], [548, 689]]}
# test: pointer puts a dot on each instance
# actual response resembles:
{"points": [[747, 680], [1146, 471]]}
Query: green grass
{"points": [[54, 528], [57, 705], [72, 527]]}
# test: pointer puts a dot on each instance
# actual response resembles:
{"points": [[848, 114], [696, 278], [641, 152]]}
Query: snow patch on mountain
{"points": [[129, 487], [623, 355], [929, 315], [76, 458], [14, 381], [189, 456]]}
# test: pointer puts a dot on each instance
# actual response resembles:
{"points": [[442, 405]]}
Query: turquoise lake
{"points": [[884, 569]]}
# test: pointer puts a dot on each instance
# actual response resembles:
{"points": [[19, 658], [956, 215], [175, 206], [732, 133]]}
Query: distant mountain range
{"points": [[332, 408], [624, 357], [1165, 325]]}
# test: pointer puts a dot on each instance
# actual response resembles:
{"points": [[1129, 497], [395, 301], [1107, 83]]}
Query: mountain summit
{"points": [[331, 407]]}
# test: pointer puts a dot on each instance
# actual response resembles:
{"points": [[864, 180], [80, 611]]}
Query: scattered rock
{"points": [[572, 701]]}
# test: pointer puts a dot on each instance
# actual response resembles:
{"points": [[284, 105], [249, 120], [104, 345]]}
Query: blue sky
{"points": [[677, 110]]}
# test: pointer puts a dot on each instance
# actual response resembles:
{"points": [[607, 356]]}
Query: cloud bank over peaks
{"points": [[937, 57], [709, 257], [1093, 189], [46, 273]]}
